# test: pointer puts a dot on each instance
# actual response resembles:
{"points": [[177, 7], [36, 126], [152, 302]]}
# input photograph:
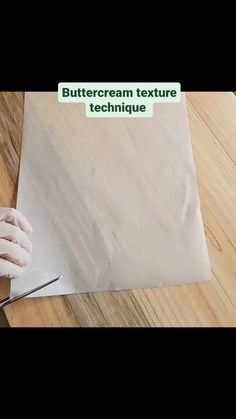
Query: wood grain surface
{"points": [[213, 128], [11, 121]]}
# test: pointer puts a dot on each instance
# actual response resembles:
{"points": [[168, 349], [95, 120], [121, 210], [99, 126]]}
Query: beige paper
{"points": [[113, 202]]}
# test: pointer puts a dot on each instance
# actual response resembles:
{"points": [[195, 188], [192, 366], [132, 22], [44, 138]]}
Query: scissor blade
{"points": [[19, 297]]}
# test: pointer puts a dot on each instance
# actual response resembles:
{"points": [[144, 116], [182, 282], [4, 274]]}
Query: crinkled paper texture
{"points": [[113, 201]]}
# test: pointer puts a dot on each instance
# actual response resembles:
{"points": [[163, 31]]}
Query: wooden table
{"points": [[213, 127]]}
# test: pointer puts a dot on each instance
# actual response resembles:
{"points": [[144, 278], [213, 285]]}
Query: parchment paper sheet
{"points": [[113, 202]]}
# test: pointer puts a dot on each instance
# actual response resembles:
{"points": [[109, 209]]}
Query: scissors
{"points": [[6, 301]]}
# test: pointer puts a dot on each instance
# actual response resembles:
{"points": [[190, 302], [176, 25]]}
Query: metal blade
{"points": [[8, 301]]}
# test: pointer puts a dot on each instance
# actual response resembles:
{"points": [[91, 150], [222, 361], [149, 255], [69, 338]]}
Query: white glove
{"points": [[15, 246]]}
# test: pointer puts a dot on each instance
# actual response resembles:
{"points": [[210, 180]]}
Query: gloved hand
{"points": [[15, 245]]}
